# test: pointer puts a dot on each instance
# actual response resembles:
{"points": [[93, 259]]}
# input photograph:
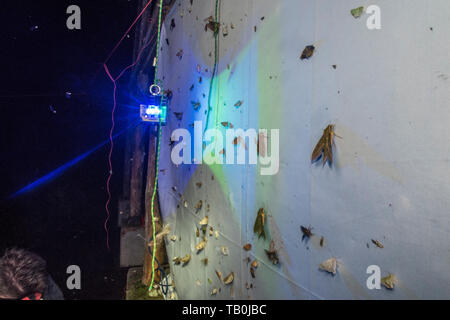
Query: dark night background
{"points": [[62, 220]]}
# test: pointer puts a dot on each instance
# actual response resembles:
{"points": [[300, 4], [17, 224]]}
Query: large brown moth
{"points": [[324, 147], [259, 224]]}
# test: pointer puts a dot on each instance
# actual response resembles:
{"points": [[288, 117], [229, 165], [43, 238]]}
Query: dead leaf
{"points": [[173, 238], [255, 264], [329, 265], [247, 247], [214, 292], [229, 279], [197, 232], [199, 184], [321, 241], [238, 104], [205, 261], [252, 272]]}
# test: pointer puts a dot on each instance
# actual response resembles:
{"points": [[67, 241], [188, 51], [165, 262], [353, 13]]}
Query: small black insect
{"points": [[178, 115], [306, 232]]}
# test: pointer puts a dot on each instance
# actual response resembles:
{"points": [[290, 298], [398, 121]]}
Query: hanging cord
{"points": [[157, 152], [216, 54], [164, 287]]}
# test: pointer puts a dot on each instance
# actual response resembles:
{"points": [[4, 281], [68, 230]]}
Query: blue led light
{"points": [[152, 111], [155, 109]]}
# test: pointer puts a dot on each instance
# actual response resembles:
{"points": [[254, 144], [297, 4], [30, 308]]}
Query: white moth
{"points": [[329, 265]]}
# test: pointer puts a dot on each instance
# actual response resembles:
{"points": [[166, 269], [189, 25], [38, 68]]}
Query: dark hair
{"points": [[22, 273]]}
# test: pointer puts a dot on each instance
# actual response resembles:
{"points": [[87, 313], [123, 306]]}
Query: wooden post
{"points": [[137, 169], [160, 245]]}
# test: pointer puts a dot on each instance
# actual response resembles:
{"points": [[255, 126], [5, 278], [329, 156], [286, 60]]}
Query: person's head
{"points": [[22, 273]]}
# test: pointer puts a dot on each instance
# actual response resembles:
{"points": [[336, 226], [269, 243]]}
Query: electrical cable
{"points": [[114, 81], [216, 44], [125, 34], [164, 287], [157, 152]]}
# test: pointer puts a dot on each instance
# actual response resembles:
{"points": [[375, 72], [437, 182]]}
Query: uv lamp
{"points": [[156, 110]]}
